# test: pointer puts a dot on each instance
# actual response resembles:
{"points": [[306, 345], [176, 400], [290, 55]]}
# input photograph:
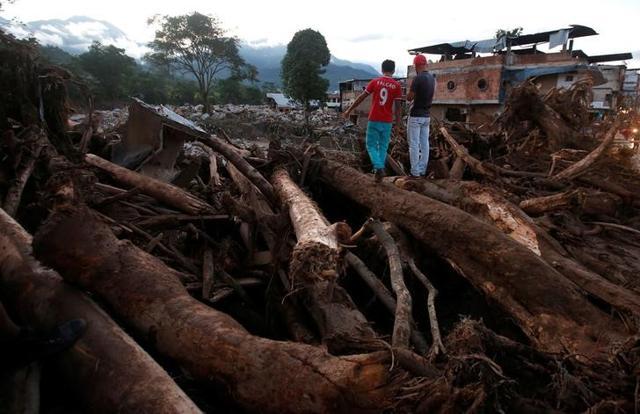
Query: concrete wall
{"points": [[606, 96]]}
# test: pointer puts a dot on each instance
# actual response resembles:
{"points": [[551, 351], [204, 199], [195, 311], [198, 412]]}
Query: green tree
{"points": [[111, 68], [302, 67], [195, 44], [510, 34]]}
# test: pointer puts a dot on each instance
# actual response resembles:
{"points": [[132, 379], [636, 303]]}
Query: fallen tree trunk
{"points": [[14, 194], [316, 254], [231, 154], [314, 264], [161, 191], [407, 255], [260, 374], [402, 323], [583, 165], [42, 300], [385, 297], [554, 202], [488, 205], [548, 308]]}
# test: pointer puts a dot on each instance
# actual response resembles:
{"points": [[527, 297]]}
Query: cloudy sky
{"points": [[367, 31]]}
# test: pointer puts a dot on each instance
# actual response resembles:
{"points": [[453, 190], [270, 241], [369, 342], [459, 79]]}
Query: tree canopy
{"points": [[196, 44], [111, 67], [303, 64]]}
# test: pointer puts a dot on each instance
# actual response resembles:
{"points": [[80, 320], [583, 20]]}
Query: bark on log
{"points": [[401, 326], [14, 193], [314, 263], [464, 155], [385, 297], [260, 374], [457, 169], [583, 165], [554, 202], [547, 307], [231, 154], [588, 201], [480, 167], [407, 254], [488, 205], [105, 368], [316, 254], [161, 191]]}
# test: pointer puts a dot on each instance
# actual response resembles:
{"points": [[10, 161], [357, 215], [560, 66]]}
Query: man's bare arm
{"points": [[411, 94], [398, 110], [355, 104]]}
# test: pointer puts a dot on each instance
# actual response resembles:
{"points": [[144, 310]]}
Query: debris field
{"points": [[233, 261]]}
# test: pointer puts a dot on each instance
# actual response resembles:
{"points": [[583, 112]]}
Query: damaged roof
{"points": [[282, 100], [172, 118], [491, 45]]}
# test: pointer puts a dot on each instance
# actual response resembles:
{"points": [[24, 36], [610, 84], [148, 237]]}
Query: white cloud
{"points": [[398, 26], [49, 39], [50, 28], [86, 29]]}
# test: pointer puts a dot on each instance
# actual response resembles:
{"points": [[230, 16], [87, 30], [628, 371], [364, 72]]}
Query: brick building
{"points": [[472, 87]]}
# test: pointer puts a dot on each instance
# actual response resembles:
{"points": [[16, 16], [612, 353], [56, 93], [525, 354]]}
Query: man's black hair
{"points": [[388, 66]]}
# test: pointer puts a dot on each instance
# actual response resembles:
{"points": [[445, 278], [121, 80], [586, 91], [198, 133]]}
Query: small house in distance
{"points": [[281, 102], [474, 77], [333, 101]]}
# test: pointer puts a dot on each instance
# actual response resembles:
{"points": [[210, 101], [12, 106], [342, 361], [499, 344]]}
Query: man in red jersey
{"points": [[384, 92]]}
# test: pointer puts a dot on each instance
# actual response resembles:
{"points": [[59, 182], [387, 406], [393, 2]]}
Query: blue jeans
{"points": [[418, 135], [378, 136]]}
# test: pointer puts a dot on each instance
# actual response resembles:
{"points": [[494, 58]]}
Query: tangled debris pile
{"points": [[513, 290]]}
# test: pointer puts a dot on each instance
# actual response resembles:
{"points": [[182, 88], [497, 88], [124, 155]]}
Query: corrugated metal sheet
{"points": [[490, 45], [282, 101]]}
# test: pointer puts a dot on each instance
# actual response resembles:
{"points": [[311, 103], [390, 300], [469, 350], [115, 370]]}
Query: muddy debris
{"points": [[257, 267]]}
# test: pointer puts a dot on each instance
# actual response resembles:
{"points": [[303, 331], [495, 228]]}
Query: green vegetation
{"points": [[510, 34], [195, 44], [302, 67], [113, 77]]}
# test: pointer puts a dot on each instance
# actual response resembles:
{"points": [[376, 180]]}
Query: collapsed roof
{"points": [[554, 37]]}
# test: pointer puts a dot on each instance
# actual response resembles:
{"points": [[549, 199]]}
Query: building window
{"points": [[451, 85], [568, 78], [482, 84]]}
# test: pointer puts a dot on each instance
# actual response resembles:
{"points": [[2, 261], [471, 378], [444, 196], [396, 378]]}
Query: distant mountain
{"points": [[267, 59], [75, 35]]}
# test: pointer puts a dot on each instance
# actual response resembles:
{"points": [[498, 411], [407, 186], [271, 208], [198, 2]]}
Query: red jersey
{"points": [[383, 90]]}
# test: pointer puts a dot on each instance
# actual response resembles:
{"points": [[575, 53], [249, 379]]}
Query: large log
{"points": [[314, 263], [161, 191], [315, 256], [540, 205], [488, 205], [583, 165], [105, 368], [548, 307], [260, 374]]}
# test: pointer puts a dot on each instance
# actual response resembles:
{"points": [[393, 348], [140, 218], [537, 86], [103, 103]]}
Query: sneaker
{"points": [[379, 175]]}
